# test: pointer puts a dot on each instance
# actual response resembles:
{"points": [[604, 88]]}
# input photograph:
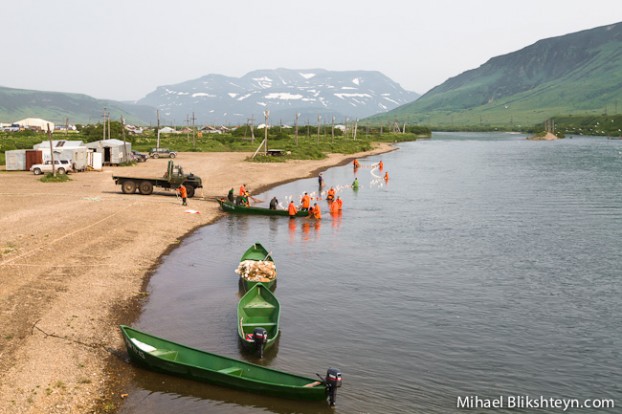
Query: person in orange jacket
{"points": [[291, 209], [338, 203], [386, 176], [330, 195], [183, 193], [306, 202], [317, 214], [380, 165], [243, 189]]}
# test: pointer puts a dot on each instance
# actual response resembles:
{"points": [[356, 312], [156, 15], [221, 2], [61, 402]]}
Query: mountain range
{"points": [[17, 104], [575, 74], [218, 99]]}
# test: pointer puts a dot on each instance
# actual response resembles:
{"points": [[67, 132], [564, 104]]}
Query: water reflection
{"points": [[162, 394], [336, 216], [268, 356]]}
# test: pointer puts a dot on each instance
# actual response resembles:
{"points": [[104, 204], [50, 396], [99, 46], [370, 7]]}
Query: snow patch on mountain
{"points": [[283, 95]]}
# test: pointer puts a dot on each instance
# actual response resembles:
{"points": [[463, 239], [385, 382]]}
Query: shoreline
{"points": [[76, 259]]}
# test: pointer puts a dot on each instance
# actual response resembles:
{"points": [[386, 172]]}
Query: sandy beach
{"points": [[75, 259]]}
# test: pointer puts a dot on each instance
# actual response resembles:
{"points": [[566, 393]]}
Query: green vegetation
{"points": [[573, 75], [59, 178], [310, 144]]}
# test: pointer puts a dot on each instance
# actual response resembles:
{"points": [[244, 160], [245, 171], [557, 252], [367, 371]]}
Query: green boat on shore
{"points": [[257, 266], [258, 319], [230, 207], [168, 357]]}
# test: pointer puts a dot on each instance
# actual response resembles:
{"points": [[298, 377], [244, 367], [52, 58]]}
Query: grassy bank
{"points": [[310, 144]]}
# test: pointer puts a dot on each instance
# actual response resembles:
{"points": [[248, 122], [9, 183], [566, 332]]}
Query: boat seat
{"points": [[261, 324], [165, 354], [231, 371], [259, 305]]}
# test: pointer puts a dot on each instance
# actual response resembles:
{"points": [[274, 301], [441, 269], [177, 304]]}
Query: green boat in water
{"points": [[256, 266], [258, 319], [230, 207], [168, 357]]}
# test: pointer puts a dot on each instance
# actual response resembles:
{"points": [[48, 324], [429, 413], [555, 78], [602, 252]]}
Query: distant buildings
{"points": [[36, 124]]}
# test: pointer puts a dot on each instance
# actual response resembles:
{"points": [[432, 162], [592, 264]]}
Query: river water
{"points": [[487, 266]]}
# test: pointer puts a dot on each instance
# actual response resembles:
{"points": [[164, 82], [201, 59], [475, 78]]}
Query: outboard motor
{"points": [[260, 337], [332, 381]]}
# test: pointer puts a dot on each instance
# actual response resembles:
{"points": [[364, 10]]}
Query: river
{"points": [[488, 266]]}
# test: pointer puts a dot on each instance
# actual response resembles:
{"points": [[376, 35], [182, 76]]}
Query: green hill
{"points": [[574, 74], [16, 104]]}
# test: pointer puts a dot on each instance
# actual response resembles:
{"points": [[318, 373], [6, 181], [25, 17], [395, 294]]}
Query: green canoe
{"points": [[168, 357], [230, 207], [257, 266], [258, 319]]}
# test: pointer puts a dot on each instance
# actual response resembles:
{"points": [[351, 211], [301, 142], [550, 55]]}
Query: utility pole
{"points": [[332, 131], [252, 129], [104, 124], [125, 152], [296, 128], [158, 130], [194, 135], [187, 128], [108, 125], [51, 151], [66, 126], [356, 124], [319, 118], [266, 114]]}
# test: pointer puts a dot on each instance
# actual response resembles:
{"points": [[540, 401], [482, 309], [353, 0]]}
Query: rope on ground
{"points": [[94, 346]]}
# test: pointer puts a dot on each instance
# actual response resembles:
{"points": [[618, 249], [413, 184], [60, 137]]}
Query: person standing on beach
{"points": [[183, 193]]}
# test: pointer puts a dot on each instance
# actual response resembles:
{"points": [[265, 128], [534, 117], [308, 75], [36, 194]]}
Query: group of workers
{"points": [[243, 197], [335, 202], [314, 211]]}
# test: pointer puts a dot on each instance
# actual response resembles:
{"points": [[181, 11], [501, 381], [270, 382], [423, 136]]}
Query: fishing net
{"points": [[257, 270]]}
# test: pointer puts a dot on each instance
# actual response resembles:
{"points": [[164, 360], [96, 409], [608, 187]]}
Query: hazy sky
{"points": [[124, 49]]}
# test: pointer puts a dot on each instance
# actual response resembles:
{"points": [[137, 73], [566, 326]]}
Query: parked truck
{"points": [[173, 177]]}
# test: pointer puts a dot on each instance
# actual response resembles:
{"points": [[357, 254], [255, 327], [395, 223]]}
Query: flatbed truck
{"points": [[173, 177]]}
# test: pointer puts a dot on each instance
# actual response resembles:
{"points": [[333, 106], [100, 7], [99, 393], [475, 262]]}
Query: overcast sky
{"points": [[124, 49]]}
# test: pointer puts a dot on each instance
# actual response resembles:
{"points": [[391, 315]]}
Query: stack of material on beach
{"points": [[257, 270]]}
